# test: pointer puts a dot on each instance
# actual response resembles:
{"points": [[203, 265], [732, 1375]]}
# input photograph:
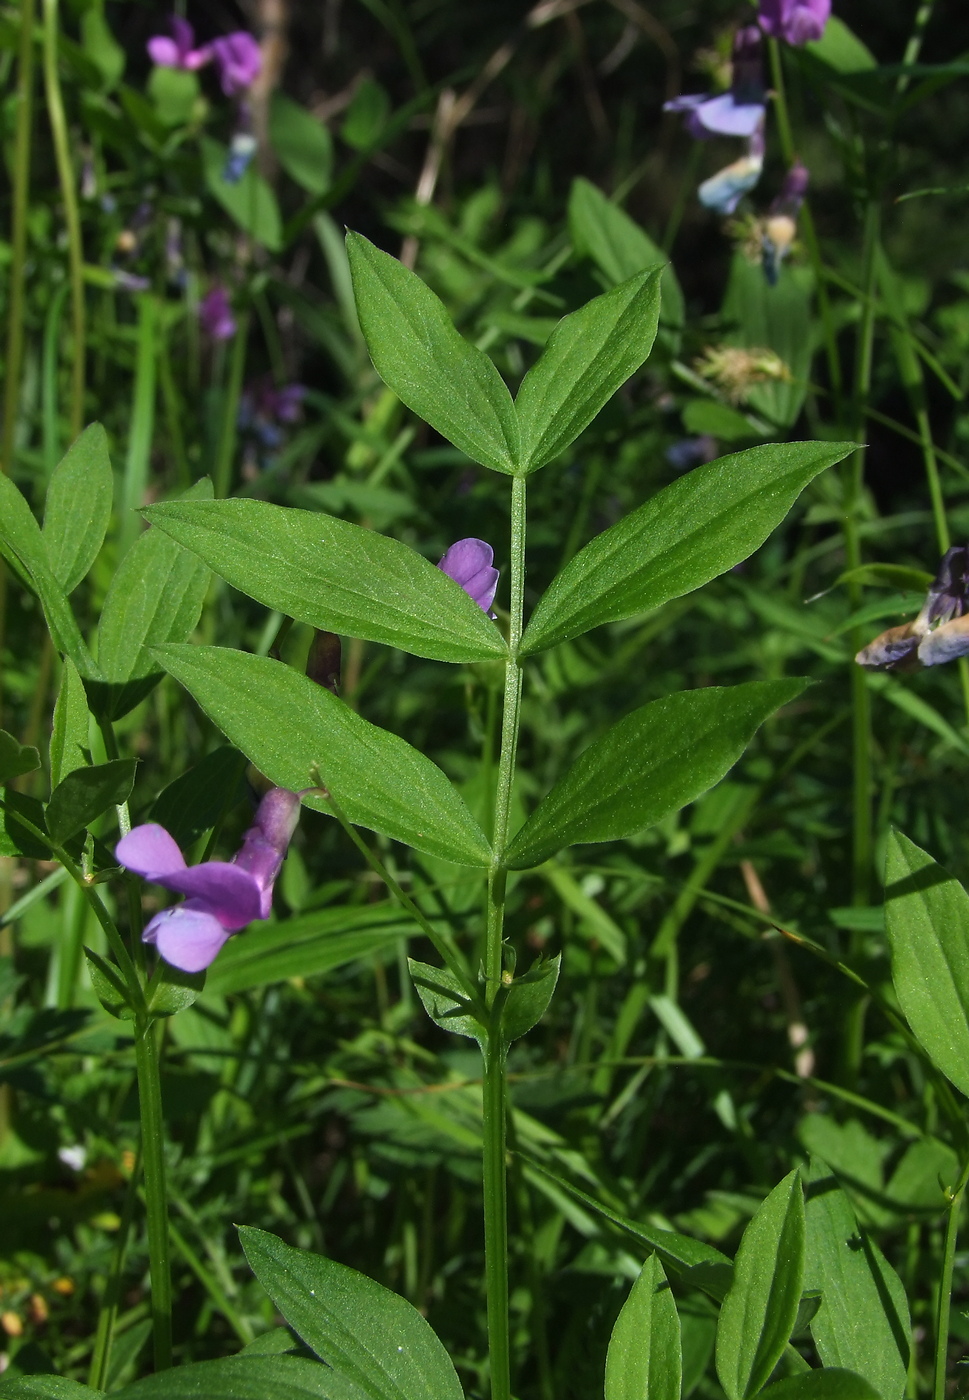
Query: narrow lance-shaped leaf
{"points": [[70, 734], [616, 243], [688, 533], [759, 1312], [649, 764], [927, 921], [369, 1335], [588, 356], [418, 353], [78, 507], [284, 724], [644, 1360], [242, 1377], [334, 576], [863, 1321]]}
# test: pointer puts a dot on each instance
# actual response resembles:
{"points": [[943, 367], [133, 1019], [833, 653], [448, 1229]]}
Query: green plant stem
{"points": [[104, 1339], [141, 426], [72, 218], [808, 231], [494, 1105], [156, 1206], [222, 477], [944, 1301], [21, 208]]}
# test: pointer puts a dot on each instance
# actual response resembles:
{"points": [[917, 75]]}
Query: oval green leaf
{"points": [[649, 764], [644, 1360], [334, 576], [284, 723], [687, 534], [78, 507]]}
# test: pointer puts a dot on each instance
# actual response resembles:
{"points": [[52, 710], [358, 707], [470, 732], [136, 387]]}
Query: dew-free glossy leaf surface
{"points": [[687, 534], [242, 1378], [333, 575], [863, 1321], [155, 596], [87, 792], [759, 1312], [431, 367], [284, 723], [652, 762], [78, 507], [644, 1360], [927, 922], [588, 356], [371, 1336]]}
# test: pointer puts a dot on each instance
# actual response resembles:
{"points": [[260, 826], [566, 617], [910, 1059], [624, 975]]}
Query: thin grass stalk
{"points": [[72, 218], [21, 208], [225, 454], [142, 425], [944, 1300]]}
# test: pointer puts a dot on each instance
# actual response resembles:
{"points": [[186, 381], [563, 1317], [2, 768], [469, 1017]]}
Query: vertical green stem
{"points": [[141, 426], [72, 218], [494, 1097], [21, 207], [104, 1338], [944, 1301], [153, 1157], [230, 414]]}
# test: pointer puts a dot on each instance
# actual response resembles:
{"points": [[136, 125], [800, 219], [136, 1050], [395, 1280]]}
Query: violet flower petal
{"points": [[469, 563], [149, 851], [945, 643], [188, 936], [724, 190], [164, 52], [230, 894], [239, 60], [726, 117]]}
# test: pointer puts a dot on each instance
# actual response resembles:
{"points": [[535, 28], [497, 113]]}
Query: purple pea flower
{"points": [[178, 51], [224, 896], [940, 633], [239, 61], [470, 563], [215, 314], [780, 226], [794, 21], [739, 112]]}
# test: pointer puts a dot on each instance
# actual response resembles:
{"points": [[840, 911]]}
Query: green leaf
{"points": [[588, 356], [174, 93], [759, 1312], [644, 1360], [528, 998], [46, 1388], [87, 792], [719, 420], [78, 506], [445, 1001], [250, 201], [605, 233], [243, 1378], [841, 49], [193, 803], [371, 1336], [927, 921], [109, 987], [16, 840], [284, 723], [650, 763], [366, 116], [307, 946], [155, 596], [334, 576], [21, 538], [70, 735], [302, 144], [16, 758], [774, 318], [688, 533], [863, 1321], [171, 990], [830, 1383], [430, 367], [101, 47], [887, 576]]}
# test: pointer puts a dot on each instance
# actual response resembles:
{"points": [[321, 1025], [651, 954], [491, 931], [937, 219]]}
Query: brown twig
{"points": [[797, 1031]]}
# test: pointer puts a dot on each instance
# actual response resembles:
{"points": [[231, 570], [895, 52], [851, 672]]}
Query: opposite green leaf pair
{"points": [[456, 388]]}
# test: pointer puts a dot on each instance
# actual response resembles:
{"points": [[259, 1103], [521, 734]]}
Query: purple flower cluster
{"points": [[471, 564], [236, 56], [223, 896], [795, 21], [265, 409], [940, 633], [215, 314]]}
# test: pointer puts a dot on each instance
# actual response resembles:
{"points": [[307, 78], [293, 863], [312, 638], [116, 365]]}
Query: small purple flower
{"points": [[470, 563], [224, 896], [264, 408], [239, 61], [179, 51], [739, 112], [691, 452], [215, 314], [794, 21], [940, 633]]}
